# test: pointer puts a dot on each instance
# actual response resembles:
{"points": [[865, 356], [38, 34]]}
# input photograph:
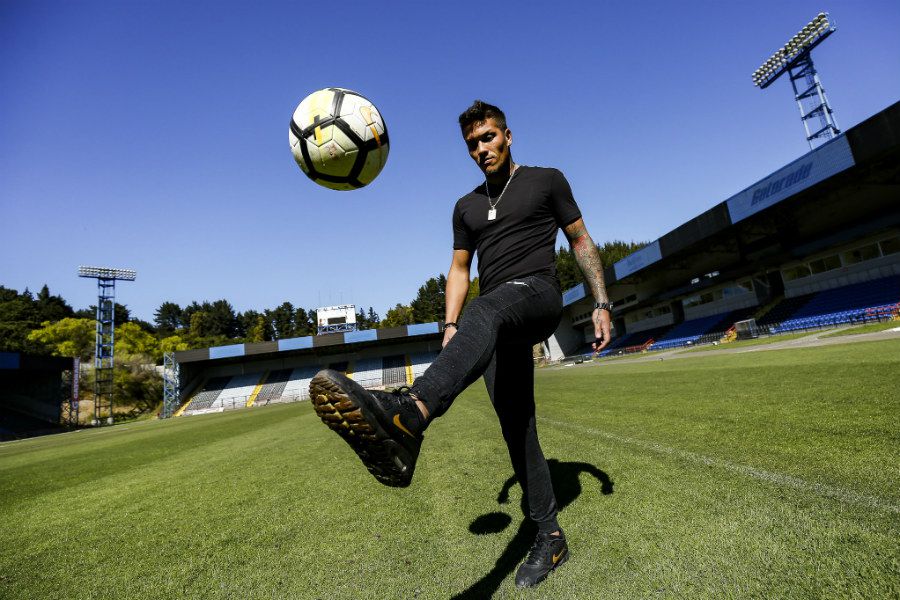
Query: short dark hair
{"points": [[479, 112]]}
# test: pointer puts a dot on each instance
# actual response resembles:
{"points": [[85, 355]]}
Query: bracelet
{"points": [[604, 306], [451, 324]]}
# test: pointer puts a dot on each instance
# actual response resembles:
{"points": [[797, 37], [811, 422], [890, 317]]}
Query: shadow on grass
{"points": [[566, 487]]}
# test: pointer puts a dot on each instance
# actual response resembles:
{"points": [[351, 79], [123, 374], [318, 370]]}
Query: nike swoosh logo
{"points": [[556, 557], [401, 427]]}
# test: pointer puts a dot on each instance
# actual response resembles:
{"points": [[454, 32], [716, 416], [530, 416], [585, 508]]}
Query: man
{"points": [[511, 221]]}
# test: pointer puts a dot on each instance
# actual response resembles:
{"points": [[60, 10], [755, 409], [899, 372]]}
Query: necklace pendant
{"points": [[492, 214]]}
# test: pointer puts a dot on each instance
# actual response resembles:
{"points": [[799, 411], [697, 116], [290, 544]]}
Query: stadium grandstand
{"points": [[245, 375], [34, 394], [815, 243]]}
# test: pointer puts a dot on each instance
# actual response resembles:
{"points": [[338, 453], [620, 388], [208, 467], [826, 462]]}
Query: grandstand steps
{"points": [[273, 387], [763, 310], [257, 390]]}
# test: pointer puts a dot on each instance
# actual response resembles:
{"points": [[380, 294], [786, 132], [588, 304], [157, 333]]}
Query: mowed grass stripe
{"points": [[842, 495], [827, 415]]}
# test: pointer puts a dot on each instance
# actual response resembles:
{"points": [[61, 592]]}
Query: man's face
{"points": [[488, 145]]}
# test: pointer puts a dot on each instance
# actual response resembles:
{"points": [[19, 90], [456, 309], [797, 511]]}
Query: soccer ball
{"points": [[339, 139]]}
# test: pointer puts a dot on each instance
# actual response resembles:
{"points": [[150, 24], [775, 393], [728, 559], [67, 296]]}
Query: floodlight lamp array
{"points": [[806, 38], [107, 273]]}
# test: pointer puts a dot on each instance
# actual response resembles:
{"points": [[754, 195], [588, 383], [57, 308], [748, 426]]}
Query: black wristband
{"points": [[604, 306], [451, 324]]}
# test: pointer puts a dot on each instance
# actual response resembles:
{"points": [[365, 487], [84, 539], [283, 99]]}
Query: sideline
{"points": [[840, 494]]}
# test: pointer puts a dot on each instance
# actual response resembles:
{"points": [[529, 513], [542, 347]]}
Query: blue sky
{"points": [[154, 135]]}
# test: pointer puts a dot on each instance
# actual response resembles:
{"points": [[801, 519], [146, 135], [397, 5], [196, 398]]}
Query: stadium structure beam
{"points": [[795, 59], [104, 360]]}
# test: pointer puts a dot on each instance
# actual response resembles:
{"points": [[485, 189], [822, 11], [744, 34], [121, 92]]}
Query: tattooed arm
{"points": [[588, 258]]}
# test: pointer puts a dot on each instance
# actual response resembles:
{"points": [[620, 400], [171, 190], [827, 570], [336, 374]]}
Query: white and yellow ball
{"points": [[339, 139]]}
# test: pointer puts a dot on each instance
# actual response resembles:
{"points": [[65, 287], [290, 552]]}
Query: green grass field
{"points": [[867, 328], [758, 475], [762, 341]]}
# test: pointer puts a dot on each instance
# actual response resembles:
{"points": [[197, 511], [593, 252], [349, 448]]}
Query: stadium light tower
{"points": [[794, 58], [106, 325]]}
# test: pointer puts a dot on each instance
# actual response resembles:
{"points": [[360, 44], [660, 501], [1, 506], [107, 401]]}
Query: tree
{"points": [[67, 337], [429, 305], [223, 319], [18, 317], [302, 323], [51, 308], [257, 331], [201, 324], [137, 385], [474, 290], [282, 320], [252, 324], [120, 313], [397, 316], [366, 320], [132, 340], [173, 343], [148, 327], [610, 253], [566, 269], [169, 317], [220, 320]]}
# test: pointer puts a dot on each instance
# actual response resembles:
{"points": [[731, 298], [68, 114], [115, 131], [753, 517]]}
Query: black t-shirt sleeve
{"points": [[462, 237], [565, 210]]}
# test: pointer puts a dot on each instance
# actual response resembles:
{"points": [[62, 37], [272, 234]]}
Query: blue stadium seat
{"points": [[847, 304]]}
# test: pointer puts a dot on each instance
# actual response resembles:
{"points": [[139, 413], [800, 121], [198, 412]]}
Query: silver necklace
{"points": [[492, 211]]}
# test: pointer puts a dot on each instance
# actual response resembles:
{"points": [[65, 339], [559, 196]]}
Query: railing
{"points": [[639, 347]]}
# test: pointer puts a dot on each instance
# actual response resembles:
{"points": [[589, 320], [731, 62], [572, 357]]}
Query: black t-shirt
{"points": [[521, 241]]}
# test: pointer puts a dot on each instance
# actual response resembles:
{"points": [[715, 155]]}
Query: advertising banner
{"points": [[823, 162], [636, 261]]}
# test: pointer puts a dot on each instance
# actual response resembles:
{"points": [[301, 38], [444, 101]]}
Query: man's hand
{"points": [[601, 319], [448, 334]]}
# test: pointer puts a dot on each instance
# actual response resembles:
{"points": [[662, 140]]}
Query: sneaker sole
{"points": [[388, 461]]}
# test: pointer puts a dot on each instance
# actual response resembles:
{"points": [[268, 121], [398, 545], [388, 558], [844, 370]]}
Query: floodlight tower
{"points": [[106, 325], [794, 58]]}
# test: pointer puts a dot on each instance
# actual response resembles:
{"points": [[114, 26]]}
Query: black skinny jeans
{"points": [[495, 338]]}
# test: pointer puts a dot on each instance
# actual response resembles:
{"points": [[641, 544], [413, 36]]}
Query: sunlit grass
{"points": [[767, 475]]}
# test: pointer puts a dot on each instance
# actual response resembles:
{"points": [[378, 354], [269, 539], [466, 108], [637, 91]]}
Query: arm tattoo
{"points": [[588, 258]]}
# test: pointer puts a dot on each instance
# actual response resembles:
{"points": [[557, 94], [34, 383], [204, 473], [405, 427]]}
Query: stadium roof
{"points": [[843, 160], [311, 343]]}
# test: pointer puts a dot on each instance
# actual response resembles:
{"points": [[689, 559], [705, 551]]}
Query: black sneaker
{"points": [[384, 428], [547, 553]]}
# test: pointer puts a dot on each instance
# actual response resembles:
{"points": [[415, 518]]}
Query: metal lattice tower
{"points": [[795, 59], [105, 342], [811, 99], [69, 412], [171, 385]]}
